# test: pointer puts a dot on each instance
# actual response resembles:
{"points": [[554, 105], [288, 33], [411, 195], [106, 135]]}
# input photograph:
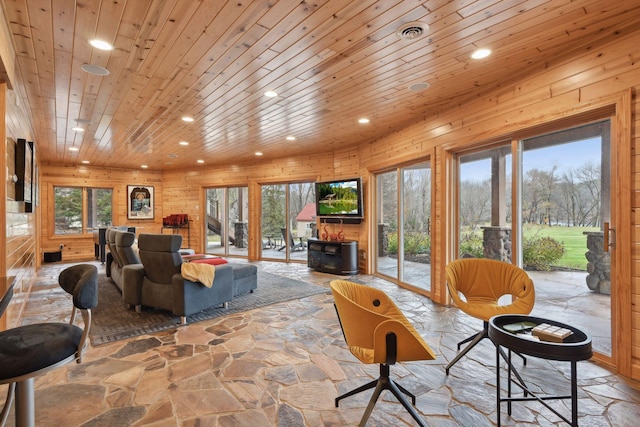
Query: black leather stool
{"points": [[32, 350]]}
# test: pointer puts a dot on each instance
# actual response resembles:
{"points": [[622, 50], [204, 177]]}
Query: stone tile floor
{"points": [[283, 365]]}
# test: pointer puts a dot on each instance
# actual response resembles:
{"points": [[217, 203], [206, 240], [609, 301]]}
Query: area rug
{"points": [[113, 321]]}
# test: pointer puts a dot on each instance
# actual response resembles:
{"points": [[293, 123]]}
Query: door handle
{"points": [[609, 237]]}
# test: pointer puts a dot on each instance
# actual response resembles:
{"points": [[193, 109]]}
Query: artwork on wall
{"points": [[140, 202]]}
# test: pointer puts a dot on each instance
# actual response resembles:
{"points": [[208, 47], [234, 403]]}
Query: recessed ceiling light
{"points": [[73, 149], [183, 143], [77, 129], [187, 119], [363, 121], [86, 162], [481, 53], [144, 166], [270, 94], [291, 138], [100, 44], [258, 153], [200, 161], [95, 69]]}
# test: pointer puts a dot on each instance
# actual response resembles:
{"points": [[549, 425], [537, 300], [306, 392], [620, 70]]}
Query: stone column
{"points": [[598, 263], [496, 243], [241, 231]]}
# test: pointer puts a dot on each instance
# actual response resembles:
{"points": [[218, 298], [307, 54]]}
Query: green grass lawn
{"points": [[573, 238]]}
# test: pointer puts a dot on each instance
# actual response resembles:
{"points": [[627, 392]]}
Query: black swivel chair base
{"points": [[385, 383], [475, 339]]}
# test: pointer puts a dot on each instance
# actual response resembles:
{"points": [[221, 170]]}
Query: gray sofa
{"points": [[122, 252], [157, 281]]}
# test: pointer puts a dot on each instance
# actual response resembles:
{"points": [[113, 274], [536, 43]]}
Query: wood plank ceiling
{"points": [[331, 62]]}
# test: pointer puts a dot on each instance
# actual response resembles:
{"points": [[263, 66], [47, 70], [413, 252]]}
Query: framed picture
{"points": [[140, 202]]}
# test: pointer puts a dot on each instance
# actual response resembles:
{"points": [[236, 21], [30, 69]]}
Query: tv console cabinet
{"points": [[333, 256]]}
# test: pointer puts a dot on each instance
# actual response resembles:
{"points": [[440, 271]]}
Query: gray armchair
{"points": [[110, 241], [122, 252], [158, 282]]}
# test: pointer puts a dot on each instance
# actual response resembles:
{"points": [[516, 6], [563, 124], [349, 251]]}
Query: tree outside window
{"points": [[99, 207], [69, 203]]}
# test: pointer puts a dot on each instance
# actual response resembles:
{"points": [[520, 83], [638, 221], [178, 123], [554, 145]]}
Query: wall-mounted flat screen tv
{"points": [[341, 198]]}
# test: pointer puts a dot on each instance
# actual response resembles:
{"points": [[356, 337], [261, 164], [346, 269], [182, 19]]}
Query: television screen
{"points": [[339, 198]]}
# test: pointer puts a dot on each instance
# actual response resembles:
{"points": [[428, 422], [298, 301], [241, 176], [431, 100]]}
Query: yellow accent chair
{"points": [[476, 286], [376, 331]]}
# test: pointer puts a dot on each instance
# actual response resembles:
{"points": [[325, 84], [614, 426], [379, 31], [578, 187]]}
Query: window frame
{"points": [[84, 214]]}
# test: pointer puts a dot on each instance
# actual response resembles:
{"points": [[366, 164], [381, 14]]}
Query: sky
{"points": [[565, 156]]}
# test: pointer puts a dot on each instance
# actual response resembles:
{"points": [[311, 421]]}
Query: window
{"points": [[70, 205]]}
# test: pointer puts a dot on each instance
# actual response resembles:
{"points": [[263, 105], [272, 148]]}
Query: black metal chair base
{"points": [[475, 339], [385, 383]]}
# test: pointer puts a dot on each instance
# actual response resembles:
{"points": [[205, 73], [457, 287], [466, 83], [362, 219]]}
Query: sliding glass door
{"points": [[565, 214], [227, 215], [287, 220], [561, 220], [403, 215]]}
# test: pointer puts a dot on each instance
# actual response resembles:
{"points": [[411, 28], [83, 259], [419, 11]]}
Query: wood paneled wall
{"points": [[19, 244], [80, 247], [185, 190], [21, 237]]}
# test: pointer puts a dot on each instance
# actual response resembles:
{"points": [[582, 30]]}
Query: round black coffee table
{"points": [[574, 348]]}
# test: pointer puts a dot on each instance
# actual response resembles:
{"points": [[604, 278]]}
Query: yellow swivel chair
{"points": [[476, 285], [376, 331]]}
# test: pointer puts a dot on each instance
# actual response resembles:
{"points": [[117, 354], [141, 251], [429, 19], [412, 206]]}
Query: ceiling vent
{"points": [[412, 30]]}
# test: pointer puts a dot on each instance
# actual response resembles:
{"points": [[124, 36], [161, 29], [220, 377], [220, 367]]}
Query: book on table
{"points": [[551, 333]]}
